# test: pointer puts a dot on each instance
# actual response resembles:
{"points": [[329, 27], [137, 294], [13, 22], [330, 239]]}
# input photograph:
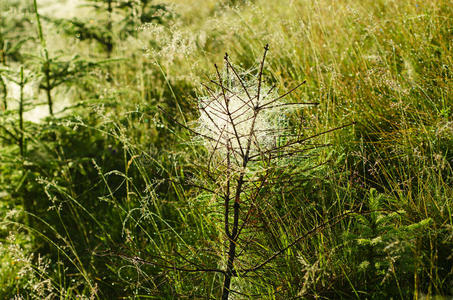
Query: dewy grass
{"points": [[147, 220]]}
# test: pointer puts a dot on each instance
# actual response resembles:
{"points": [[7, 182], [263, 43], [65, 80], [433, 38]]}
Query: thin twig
{"points": [[307, 138], [284, 95], [238, 77], [329, 223], [136, 259], [266, 48]]}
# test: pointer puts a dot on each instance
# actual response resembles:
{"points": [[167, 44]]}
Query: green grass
{"points": [[104, 194]]}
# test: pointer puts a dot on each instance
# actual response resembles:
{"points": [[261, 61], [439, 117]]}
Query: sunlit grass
{"points": [[113, 178]]}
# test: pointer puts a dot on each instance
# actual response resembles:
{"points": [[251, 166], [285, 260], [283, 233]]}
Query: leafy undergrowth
{"points": [[104, 191]]}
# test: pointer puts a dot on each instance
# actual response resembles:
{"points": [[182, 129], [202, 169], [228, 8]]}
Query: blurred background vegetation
{"points": [[95, 179]]}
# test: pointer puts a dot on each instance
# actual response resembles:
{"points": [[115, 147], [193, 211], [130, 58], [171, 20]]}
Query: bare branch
{"points": [[288, 104], [228, 112], [138, 260], [215, 148], [284, 95], [269, 91], [300, 141], [234, 94], [238, 77], [188, 128], [266, 48], [329, 223]]}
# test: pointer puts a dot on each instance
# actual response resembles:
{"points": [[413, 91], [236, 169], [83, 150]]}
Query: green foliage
{"points": [[14, 24], [385, 249], [107, 197], [114, 19]]}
